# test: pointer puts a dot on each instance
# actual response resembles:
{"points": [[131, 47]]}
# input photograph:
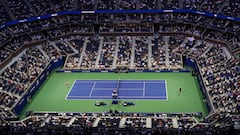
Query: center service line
{"points": [[93, 86], [144, 86]]}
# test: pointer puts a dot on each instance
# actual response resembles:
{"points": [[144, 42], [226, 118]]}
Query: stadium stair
{"points": [[75, 5], [10, 13], [68, 44], [70, 122], [149, 123], [182, 44], [116, 53], [9, 93], [16, 58], [54, 45], [210, 46], [99, 52], [149, 52], [45, 121], [84, 48], [226, 51], [166, 41], [175, 123], [95, 123], [122, 123], [133, 53], [31, 7], [225, 3], [43, 52], [194, 47], [200, 7]]}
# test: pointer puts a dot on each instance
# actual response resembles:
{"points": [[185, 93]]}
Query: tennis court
{"points": [[54, 96], [126, 89]]}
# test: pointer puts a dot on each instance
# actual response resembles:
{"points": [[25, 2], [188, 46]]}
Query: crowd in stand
{"points": [[64, 48], [175, 61], [102, 4], [145, 4], [222, 80], [124, 51], [90, 54], [212, 6], [109, 122], [7, 100], [121, 27], [114, 123], [158, 54], [235, 46], [192, 4], [23, 9], [3, 37], [16, 79], [198, 50], [220, 69], [176, 43], [74, 59], [141, 53], [51, 51], [100, 123], [6, 115], [108, 52], [231, 8], [5, 17], [4, 54], [228, 97]]}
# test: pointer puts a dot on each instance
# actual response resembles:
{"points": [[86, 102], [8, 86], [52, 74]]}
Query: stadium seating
{"points": [[27, 48], [108, 53]]}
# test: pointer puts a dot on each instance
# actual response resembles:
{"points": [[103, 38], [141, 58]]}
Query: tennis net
{"points": [[118, 83], [115, 91]]}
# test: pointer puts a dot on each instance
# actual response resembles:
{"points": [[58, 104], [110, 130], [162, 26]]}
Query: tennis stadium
{"points": [[120, 67]]}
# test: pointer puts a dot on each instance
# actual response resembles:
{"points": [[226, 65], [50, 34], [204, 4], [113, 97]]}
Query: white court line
{"points": [[92, 89], [85, 82], [160, 81], [88, 96], [121, 80], [142, 82], [144, 88], [70, 90], [166, 90], [145, 96], [103, 89], [140, 97]]}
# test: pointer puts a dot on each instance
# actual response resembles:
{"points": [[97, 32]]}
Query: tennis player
{"points": [[180, 91], [67, 84]]}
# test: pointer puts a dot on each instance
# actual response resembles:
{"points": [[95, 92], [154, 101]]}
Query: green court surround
{"points": [[51, 95]]}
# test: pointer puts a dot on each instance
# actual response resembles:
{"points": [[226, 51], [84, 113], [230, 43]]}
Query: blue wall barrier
{"points": [[118, 12], [130, 70], [35, 86], [59, 62], [192, 63]]}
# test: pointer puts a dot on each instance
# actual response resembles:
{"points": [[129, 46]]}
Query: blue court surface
{"points": [[126, 89]]}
